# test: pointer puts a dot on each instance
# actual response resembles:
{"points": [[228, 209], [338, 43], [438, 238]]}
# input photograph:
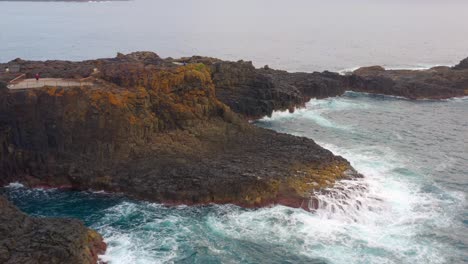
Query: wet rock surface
{"points": [[25, 239]]}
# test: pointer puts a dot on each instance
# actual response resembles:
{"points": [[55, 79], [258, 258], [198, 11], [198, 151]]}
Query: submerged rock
{"points": [[25, 239]]}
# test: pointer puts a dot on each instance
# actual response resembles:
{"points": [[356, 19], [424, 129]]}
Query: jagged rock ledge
{"points": [[25, 239]]}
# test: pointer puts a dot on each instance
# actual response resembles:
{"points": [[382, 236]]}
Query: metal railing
{"points": [[18, 78]]}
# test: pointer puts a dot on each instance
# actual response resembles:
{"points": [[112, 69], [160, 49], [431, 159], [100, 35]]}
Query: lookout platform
{"points": [[56, 82]]}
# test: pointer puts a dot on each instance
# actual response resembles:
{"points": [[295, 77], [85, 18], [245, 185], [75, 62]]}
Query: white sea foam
{"points": [[385, 217], [14, 185], [458, 99], [377, 219], [142, 242], [353, 93], [317, 110]]}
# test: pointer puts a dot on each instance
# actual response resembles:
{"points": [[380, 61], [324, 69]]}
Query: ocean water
{"points": [[299, 35], [410, 207]]}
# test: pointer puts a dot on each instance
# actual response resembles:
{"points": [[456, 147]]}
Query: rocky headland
{"points": [[176, 131], [156, 130], [257, 92]]}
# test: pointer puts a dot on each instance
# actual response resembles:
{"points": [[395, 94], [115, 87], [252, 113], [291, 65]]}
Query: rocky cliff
{"points": [[256, 92], [156, 131], [25, 239]]}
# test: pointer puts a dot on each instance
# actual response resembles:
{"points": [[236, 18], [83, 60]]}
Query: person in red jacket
{"points": [[37, 76]]}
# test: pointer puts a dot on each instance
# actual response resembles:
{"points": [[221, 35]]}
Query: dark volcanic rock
{"points": [[463, 65], [258, 92], [25, 239], [435, 83], [369, 70], [82, 69], [156, 131]]}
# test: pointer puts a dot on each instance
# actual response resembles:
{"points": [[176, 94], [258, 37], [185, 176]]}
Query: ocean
{"points": [[299, 35], [410, 207]]}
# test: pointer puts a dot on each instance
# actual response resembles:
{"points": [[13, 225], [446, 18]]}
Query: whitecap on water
{"points": [[14, 185], [316, 111], [380, 218]]}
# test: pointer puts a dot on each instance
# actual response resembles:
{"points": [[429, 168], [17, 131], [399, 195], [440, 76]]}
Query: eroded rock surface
{"points": [[155, 130], [25, 239]]}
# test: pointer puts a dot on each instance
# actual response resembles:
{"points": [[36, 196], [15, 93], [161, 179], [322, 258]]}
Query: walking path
{"points": [[57, 82]]}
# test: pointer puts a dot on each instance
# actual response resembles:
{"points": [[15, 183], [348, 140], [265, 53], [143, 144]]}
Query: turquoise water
{"points": [[409, 208]]}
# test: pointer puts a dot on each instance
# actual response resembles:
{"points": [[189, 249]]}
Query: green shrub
{"points": [[199, 66]]}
